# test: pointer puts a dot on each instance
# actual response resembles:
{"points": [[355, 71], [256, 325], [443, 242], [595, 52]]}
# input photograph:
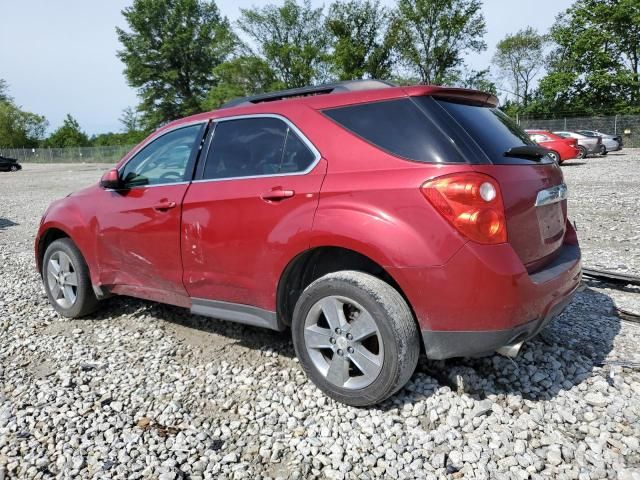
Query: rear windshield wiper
{"points": [[535, 152]]}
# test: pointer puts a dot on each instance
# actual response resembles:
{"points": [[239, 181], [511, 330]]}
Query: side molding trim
{"points": [[236, 312]]}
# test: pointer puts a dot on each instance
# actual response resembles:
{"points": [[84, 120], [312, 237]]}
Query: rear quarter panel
{"points": [[371, 202]]}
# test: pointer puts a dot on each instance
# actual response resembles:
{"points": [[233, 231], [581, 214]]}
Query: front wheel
{"points": [[66, 280], [355, 337], [13, 168]]}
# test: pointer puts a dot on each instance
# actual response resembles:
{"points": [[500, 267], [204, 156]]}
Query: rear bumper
{"points": [[443, 344], [483, 298]]}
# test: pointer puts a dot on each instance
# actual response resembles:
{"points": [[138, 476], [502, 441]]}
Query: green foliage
{"points": [[240, 77], [18, 128], [477, 80], [364, 37], [68, 135], [519, 58], [595, 65], [4, 91], [169, 53], [435, 34], [291, 40]]}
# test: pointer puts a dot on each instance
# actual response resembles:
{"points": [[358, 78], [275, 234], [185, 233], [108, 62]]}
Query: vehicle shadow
{"points": [[561, 357], [572, 164], [6, 223], [197, 330]]}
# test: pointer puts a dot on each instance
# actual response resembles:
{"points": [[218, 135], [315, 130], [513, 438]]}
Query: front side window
{"points": [[251, 147], [164, 160]]}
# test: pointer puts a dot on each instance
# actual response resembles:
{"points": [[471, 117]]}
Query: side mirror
{"points": [[111, 180]]}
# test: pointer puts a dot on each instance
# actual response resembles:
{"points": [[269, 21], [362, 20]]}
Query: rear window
{"points": [[492, 130], [400, 127]]}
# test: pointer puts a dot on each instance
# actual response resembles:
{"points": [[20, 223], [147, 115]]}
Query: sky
{"points": [[59, 56]]}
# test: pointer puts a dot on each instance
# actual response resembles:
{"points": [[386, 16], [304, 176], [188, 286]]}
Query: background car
{"points": [[561, 148], [611, 142], [586, 145], [9, 164]]}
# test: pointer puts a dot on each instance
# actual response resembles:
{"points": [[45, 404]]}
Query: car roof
{"points": [[330, 96]]}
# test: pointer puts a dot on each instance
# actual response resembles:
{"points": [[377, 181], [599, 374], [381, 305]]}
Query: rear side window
{"points": [[251, 147], [493, 131], [399, 127]]}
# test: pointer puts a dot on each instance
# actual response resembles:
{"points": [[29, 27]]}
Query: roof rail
{"points": [[327, 88]]}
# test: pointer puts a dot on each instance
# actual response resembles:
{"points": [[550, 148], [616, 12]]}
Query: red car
{"points": [[561, 148], [371, 220]]}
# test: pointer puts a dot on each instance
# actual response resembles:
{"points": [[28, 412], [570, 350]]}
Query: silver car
{"points": [[611, 143], [586, 145]]}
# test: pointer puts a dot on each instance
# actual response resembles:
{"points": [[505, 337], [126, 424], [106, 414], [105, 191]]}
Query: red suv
{"points": [[374, 221]]}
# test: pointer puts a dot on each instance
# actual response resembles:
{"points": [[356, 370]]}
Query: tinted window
{"points": [[493, 131], [398, 126], [255, 147], [164, 160]]}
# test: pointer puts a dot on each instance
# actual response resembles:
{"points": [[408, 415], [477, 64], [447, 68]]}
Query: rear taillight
{"points": [[472, 203]]}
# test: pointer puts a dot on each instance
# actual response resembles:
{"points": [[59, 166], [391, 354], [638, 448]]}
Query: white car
{"points": [[612, 143], [586, 145]]}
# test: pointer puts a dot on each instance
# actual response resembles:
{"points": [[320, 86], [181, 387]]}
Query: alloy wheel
{"points": [[62, 279], [344, 342]]}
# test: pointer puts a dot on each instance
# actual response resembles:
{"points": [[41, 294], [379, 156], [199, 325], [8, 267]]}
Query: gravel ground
{"points": [[142, 390]]}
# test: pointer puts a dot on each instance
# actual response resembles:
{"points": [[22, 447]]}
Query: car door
{"points": [[139, 224], [250, 210]]}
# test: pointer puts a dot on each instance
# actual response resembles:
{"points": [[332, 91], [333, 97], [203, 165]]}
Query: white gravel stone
{"points": [[142, 390]]}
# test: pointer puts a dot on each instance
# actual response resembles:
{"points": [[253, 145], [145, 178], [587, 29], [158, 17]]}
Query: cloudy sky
{"points": [[59, 56]]}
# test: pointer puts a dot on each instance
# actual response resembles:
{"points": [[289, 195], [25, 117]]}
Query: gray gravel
{"points": [[142, 390]]}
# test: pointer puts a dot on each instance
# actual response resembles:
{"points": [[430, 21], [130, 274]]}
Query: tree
{"points": [[477, 80], [68, 135], [19, 128], [240, 77], [364, 36], [594, 67], [519, 58], [169, 53], [435, 34], [291, 40], [4, 91]]}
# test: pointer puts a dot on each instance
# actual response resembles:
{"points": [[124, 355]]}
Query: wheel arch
{"points": [[318, 261]]}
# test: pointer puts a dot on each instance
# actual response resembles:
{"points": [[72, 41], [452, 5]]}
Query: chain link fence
{"points": [[67, 155], [627, 126]]}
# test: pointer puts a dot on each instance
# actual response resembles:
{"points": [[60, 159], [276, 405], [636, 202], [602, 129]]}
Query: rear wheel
{"points": [[355, 337], [582, 151], [66, 280], [603, 150], [13, 168], [555, 156]]}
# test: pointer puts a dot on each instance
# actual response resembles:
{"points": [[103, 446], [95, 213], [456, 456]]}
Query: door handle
{"points": [[277, 194], [164, 206]]}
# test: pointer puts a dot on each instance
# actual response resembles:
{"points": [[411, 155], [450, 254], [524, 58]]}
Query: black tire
{"points": [[85, 298], [555, 156], [394, 322], [603, 150], [14, 168], [582, 152]]}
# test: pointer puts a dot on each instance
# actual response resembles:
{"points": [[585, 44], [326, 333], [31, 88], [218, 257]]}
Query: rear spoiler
{"points": [[459, 95]]}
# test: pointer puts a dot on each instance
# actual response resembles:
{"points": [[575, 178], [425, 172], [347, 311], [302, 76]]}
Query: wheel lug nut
{"points": [[350, 349], [338, 331], [332, 340], [340, 352], [349, 336]]}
